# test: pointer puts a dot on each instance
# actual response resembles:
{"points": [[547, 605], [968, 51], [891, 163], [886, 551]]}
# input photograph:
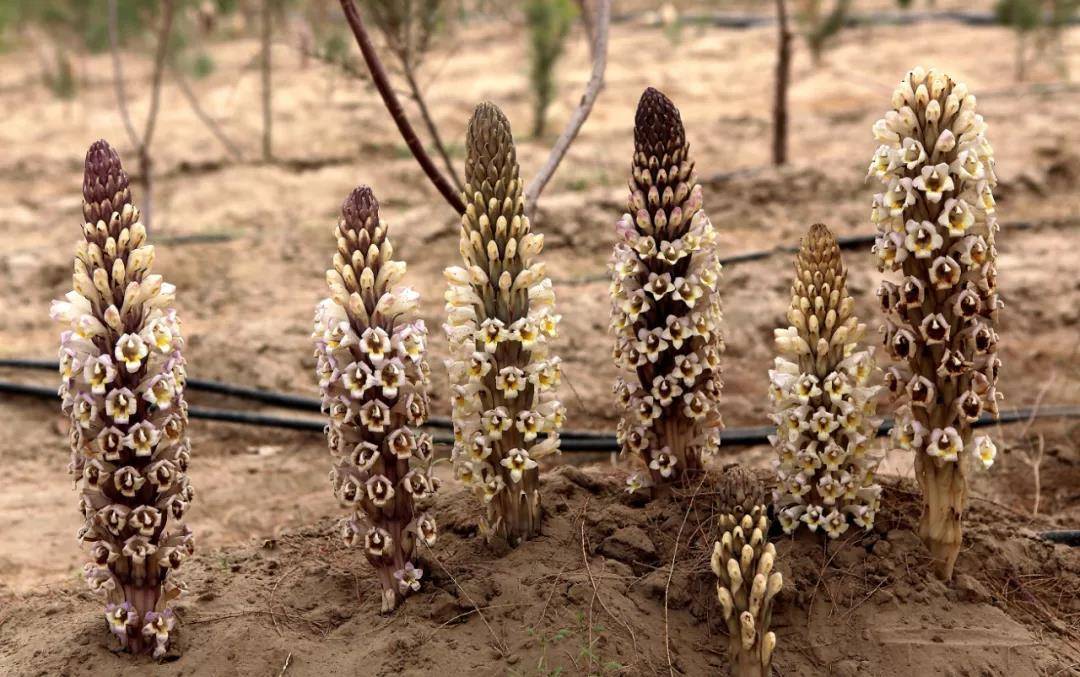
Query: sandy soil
{"points": [[247, 299]]}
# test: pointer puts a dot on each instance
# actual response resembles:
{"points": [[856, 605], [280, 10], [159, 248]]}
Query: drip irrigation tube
{"points": [[593, 442]]}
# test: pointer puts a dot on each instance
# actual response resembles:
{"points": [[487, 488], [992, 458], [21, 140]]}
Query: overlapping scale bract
{"points": [[936, 221], [501, 318], [823, 401], [665, 311], [122, 383], [746, 585], [370, 362]]}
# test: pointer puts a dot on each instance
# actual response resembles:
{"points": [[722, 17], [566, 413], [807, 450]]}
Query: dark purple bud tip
{"points": [[105, 184], [657, 124], [360, 208]]}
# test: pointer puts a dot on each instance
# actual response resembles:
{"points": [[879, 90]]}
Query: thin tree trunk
{"points": [[783, 76], [267, 92], [146, 181]]}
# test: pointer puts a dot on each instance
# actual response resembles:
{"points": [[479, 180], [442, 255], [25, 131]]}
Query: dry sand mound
{"points": [[596, 594]]}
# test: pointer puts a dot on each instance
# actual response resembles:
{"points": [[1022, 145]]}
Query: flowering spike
{"points": [[123, 376], [665, 310], [822, 399], [746, 585], [369, 350], [501, 316], [936, 226]]}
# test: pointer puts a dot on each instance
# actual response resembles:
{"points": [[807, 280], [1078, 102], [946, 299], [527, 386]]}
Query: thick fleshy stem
{"points": [[122, 383], [370, 350], [665, 310], [501, 316], [936, 222], [823, 403]]}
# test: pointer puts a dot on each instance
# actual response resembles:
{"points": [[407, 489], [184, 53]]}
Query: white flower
{"points": [[934, 180], [408, 578], [517, 462], [945, 444], [99, 372], [664, 462], [375, 343], [130, 351], [922, 239], [985, 450], [634, 484], [121, 405], [511, 381]]}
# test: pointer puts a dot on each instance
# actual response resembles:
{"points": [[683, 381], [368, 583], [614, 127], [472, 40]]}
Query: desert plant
{"points": [[823, 401], [123, 386], [549, 23], [746, 584], [665, 310], [819, 26], [936, 224], [501, 316], [1023, 17], [370, 362]]}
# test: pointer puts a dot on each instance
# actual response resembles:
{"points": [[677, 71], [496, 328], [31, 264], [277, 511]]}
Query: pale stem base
{"points": [[944, 490]]}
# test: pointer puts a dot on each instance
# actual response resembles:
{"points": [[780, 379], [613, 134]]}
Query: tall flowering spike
{"points": [[823, 403], [746, 584], [369, 350], [501, 316], [665, 307], [122, 383], [936, 224]]}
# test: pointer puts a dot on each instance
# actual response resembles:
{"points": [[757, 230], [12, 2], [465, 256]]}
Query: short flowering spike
{"points": [[369, 350], [665, 306], [936, 225], [501, 311], [823, 401], [743, 561], [123, 376]]}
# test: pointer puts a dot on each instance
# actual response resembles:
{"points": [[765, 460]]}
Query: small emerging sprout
{"points": [[370, 349], [746, 585]]}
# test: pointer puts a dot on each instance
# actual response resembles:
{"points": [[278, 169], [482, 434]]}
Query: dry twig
{"points": [[580, 114], [141, 142], [211, 124], [393, 106], [671, 572]]}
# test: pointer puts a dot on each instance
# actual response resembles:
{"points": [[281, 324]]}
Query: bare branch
{"points": [[142, 144], [580, 114], [425, 115], [118, 75], [266, 51], [393, 106], [212, 125], [164, 32], [783, 76]]}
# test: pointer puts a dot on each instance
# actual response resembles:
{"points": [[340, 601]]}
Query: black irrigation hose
{"points": [[845, 242], [1070, 538], [907, 18], [222, 415], [595, 442]]}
